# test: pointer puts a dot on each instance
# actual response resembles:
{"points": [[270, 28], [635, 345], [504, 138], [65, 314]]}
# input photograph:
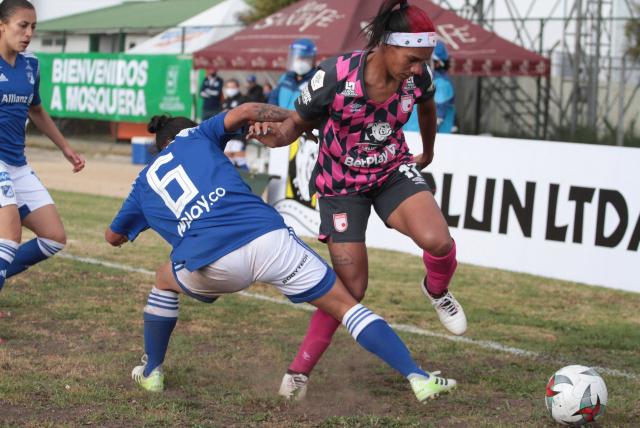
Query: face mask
{"points": [[301, 67], [230, 92]]}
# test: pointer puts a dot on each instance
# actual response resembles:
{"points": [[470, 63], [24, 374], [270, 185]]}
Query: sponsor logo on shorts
{"points": [[340, 222], [7, 191], [292, 274]]}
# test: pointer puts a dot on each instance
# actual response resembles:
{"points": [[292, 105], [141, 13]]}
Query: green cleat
{"points": [[154, 382], [427, 388]]}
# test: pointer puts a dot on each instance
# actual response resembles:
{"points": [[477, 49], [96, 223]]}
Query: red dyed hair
{"points": [[397, 16]]}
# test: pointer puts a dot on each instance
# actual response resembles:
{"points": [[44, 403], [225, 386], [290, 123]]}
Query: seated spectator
{"points": [[232, 96], [235, 148], [255, 93]]}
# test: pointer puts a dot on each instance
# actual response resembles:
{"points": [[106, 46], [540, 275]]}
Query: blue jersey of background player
{"points": [[224, 238], [23, 198]]}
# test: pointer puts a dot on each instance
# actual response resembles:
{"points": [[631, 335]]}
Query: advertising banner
{"points": [[559, 210], [115, 87]]}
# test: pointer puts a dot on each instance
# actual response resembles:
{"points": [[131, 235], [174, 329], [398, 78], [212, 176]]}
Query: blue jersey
{"points": [[196, 200], [288, 89], [19, 89]]}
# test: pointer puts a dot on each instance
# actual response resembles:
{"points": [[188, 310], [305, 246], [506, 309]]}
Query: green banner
{"points": [[117, 87]]}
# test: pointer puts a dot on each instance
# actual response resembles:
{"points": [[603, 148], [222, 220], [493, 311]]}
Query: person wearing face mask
{"points": [[211, 93], [300, 67], [235, 148], [232, 96]]}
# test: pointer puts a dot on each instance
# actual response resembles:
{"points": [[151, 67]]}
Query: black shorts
{"points": [[345, 218]]}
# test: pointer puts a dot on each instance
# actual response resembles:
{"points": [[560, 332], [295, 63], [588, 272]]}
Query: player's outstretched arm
{"points": [[253, 112], [280, 134], [113, 238]]}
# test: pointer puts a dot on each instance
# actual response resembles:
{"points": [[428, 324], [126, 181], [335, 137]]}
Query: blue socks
{"points": [[160, 317], [7, 254], [374, 334], [32, 252]]}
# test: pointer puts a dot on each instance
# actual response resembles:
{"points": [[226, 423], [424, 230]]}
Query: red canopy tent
{"points": [[334, 25]]}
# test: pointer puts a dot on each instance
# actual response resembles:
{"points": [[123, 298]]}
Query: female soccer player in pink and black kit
{"points": [[359, 102]]}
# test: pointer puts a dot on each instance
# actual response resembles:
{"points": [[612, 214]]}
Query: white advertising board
{"points": [[559, 210]]}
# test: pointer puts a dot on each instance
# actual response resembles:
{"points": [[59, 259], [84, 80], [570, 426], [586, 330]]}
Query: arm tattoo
{"points": [[270, 113]]}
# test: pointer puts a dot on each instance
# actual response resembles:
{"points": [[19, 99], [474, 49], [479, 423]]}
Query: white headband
{"points": [[412, 40]]}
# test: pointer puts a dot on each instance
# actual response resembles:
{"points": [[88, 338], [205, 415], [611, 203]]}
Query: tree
{"points": [[632, 30], [263, 8]]}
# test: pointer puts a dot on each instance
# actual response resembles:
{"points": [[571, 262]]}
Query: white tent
{"points": [[199, 31]]}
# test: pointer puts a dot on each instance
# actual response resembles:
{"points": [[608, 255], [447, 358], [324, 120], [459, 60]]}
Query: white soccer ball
{"points": [[576, 395]]}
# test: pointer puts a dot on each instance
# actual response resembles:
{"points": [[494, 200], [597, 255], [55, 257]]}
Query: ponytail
{"points": [[396, 16], [166, 128]]}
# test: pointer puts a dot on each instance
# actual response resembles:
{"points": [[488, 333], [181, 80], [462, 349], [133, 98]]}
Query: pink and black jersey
{"points": [[361, 141]]}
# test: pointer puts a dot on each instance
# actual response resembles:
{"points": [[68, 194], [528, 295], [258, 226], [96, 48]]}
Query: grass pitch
{"points": [[76, 332]]}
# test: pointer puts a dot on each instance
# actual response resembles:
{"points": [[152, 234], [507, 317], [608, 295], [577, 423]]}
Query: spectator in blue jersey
{"points": [[444, 96], [23, 198], [211, 93], [224, 238], [300, 66]]}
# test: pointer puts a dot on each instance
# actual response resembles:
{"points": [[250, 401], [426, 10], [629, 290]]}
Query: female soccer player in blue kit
{"points": [[23, 198], [224, 238]]}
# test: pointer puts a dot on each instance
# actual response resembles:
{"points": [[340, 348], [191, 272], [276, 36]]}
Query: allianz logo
{"points": [[16, 99]]}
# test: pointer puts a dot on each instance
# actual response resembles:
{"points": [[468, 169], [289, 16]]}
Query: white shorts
{"points": [[20, 186], [278, 258]]}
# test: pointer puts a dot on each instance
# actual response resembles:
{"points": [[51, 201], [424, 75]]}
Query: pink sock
{"points": [[440, 270], [318, 338]]}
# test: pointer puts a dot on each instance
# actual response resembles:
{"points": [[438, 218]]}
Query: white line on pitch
{"points": [[486, 344]]}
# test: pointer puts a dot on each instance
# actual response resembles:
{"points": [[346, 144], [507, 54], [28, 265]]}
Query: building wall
{"points": [[48, 9]]}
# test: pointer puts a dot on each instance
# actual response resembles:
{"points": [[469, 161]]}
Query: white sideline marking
{"points": [[486, 344]]}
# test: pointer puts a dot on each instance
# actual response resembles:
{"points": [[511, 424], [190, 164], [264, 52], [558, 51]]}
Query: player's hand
{"points": [[267, 133], [423, 160], [75, 159], [113, 238]]}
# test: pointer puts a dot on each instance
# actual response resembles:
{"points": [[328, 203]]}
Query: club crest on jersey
{"points": [[318, 80], [378, 132], [406, 103], [340, 222], [410, 85], [349, 90]]}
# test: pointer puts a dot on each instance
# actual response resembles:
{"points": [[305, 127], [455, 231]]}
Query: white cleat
{"points": [[294, 386], [449, 311]]}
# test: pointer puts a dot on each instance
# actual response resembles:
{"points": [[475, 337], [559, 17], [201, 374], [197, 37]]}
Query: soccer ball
{"points": [[576, 395]]}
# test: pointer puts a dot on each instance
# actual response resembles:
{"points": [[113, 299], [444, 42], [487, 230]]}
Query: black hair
{"points": [[166, 128], [446, 64], [396, 16], [9, 7]]}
